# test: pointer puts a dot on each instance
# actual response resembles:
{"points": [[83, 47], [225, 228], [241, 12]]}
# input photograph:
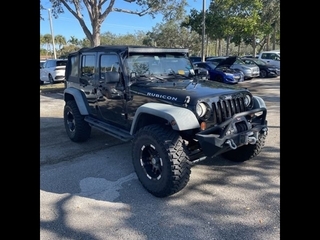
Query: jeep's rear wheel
{"points": [[160, 161], [246, 152], [77, 129]]}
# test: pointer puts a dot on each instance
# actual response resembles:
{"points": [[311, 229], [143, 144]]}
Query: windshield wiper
{"points": [[157, 77], [173, 73], [150, 77]]}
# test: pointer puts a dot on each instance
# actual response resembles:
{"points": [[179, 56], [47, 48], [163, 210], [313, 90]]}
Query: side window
{"points": [[47, 64], [108, 63], [272, 56], [74, 66], [268, 56], [203, 66], [88, 66]]}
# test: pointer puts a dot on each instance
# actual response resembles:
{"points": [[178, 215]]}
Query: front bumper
{"points": [[237, 131], [251, 73], [232, 80], [59, 78]]}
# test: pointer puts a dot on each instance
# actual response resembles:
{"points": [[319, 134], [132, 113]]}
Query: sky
{"points": [[116, 23]]}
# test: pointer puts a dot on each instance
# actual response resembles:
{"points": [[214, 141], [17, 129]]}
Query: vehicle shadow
{"points": [[106, 190]]}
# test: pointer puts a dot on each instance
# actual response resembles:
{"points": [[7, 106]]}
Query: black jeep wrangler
{"points": [[171, 113]]}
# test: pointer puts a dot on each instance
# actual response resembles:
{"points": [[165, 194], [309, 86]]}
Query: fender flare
{"points": [[180, 118], [258, 102], [79, 97]]}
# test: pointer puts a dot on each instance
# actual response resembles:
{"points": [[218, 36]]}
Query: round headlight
{"points": [[201, 109], [247, 100]]}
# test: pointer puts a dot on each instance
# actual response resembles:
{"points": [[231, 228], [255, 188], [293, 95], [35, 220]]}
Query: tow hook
{"points": [[265, 131], [231, 144], [252, 140]]}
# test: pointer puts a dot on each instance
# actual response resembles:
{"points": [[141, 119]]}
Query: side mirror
{"points": [[202, 72], [111, 77]]}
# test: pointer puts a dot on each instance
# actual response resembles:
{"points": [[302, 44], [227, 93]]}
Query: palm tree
{"points": [[74, 41], [60, 41], [48, 41]]}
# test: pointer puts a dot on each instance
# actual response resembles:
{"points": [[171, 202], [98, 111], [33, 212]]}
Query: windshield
{"points": [[239, 61], [260, 62], [212, 65], [160, 64]]}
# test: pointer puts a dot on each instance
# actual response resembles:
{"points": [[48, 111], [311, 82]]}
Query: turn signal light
{"points": [[203, 125]]}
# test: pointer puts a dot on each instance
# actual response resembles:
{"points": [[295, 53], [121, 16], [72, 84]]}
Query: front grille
{"points": [[225, 109]]}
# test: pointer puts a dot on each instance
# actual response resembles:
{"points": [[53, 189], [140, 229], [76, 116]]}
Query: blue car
{"points": [[221, 73]]}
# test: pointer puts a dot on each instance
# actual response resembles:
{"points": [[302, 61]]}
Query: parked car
{"points": [[53, 70], [221, 74], [266, 70], [271, 57], [41, 66], [249, 70]]}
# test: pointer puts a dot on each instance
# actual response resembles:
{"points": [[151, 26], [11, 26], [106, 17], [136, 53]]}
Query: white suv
{"points": [[271, 57], [53, 70]]}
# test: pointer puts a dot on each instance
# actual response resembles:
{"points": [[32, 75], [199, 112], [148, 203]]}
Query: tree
{"points": [[98, 11], [60, 41], [271, 16], [233, 20], [41, 8], [172, 35], [74, 41], [47, 40], [238, 21]]}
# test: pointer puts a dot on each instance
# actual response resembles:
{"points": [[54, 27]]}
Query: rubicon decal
{"points": [[162, 96]]}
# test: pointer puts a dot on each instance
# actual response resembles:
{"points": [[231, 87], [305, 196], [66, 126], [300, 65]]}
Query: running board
{"points": [[109, 129]]}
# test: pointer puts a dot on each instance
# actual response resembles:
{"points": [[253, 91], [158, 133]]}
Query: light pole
{"points": [[51, 29], [203, 29]]}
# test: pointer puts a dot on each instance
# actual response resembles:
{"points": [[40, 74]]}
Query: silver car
{"points": [[249, 70], [53, 70], [41, 66]]}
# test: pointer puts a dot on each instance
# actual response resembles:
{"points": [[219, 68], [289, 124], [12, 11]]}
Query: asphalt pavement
{"points": [[90, 190]]}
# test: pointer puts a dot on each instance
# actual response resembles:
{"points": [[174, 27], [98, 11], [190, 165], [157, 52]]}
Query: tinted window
{"points": [[61, 63], [109, 63], [88, 66], [74, 66]]}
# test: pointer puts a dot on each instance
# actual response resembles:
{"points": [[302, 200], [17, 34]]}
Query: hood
{"points": [[177, 92], [228, 62]]}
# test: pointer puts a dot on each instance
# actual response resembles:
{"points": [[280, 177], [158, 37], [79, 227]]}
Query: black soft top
{"points": [[131, 49]]}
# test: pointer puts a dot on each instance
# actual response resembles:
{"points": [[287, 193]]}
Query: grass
{"points": [[48, 87]]}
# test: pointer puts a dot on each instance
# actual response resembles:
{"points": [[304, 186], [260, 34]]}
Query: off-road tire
{"points": [[246, 152], [160, 161], [263, 73], [77, 129]]}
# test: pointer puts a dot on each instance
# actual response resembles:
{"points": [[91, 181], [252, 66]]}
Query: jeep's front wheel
{"points": [[246, 152], [77, 129], [160, 160]]}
